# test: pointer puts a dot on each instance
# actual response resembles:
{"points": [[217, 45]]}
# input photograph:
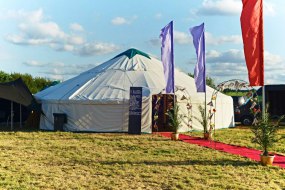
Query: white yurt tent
{"points": [[98, 99]]}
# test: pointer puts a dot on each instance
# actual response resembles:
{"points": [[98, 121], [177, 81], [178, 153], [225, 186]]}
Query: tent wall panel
{"points": [[96, 117], [84, 117]]}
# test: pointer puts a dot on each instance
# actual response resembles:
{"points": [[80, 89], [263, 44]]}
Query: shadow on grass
{"points": [[222, 162]]}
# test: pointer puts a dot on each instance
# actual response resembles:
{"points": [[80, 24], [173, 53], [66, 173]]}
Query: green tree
{"points": [[4, 77], [35, 84], [209, 81]]}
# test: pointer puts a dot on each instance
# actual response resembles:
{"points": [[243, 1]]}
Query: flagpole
{"points": [[172, 52], [205, 90], [262, 57], [263, 101], [205, 104]]}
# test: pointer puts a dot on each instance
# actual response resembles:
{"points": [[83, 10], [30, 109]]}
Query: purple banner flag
{"points": [[200, 68], [167, 56]]}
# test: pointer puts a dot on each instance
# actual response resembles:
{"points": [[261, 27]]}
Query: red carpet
{"points": [[252, 154]]}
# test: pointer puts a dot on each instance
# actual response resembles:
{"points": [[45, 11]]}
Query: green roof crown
{"points": [[130, 53]]}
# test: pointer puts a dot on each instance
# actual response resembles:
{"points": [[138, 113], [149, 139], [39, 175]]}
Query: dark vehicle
{"points": [[242, 110], [274, 98]]}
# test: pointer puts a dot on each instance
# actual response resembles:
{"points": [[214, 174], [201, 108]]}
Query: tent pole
{"points": [[12, 115], [20, 115]]}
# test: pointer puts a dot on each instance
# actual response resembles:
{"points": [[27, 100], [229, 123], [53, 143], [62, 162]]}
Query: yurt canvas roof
{"points": [[97, 100], [110, 81]]}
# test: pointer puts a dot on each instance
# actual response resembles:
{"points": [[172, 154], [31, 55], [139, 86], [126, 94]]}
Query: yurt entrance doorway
{"points": [[161, 103]]}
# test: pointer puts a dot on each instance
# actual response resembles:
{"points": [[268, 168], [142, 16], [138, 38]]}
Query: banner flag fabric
{"points": [[167, 56], [198, 34], [251, 20]]}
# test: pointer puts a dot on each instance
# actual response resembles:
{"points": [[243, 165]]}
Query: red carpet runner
{"points": [[252, 154]]}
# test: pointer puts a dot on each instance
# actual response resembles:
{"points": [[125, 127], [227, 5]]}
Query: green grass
{"points": [[62, 160], [234, 93], [242, 136]]}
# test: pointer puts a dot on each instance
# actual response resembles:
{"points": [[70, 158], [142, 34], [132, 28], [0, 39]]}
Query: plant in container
{"points": [[265, 135], [204, 121], [175, 119]]}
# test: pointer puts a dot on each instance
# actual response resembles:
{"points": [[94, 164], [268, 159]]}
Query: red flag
{"points": [[252, 33]]}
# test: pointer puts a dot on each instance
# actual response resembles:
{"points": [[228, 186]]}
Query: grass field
{"points": [[63, 160], [242, 136]]}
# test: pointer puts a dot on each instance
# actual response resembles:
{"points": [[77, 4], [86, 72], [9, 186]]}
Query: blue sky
{"points": [[59, 39]]}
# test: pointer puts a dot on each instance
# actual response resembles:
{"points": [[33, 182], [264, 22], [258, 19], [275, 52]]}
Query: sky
{"points": [[59, 39]]}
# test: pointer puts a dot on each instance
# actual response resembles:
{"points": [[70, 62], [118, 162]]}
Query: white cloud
{"points": [[269, 9], [56, 77], [119, 21], [226, 65], [32, 16], [231, 64], [178, 37], [218, 40], [75, 40], [186, 38], [61, 71], [273, 62], [230, 56], [34, 29], [34, 63], [226, 71], [220, 7], [96, 49], [274, 78], [76, 27], [182, 38], [229, 7], [122, 20], [42, 30], [55, 70], [62, 47], [58, 70], [237, 56], [57, 64]]}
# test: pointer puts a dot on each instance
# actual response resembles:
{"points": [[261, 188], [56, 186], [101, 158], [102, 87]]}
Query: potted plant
{"points": [[265, 135], [204, 121], [175, 119]]}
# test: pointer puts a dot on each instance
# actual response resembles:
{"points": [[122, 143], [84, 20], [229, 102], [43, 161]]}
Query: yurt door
{"points": [[161, 103]]}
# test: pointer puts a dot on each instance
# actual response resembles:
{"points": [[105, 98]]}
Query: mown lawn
{"points": [[62, 160], [242, 136]]}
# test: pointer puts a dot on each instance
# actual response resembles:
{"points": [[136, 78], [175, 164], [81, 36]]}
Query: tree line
{"points": [[35, 84], [209, 81]]}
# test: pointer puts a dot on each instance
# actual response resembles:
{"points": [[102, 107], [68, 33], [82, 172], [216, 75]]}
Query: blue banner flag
{"points": [[200, 68], [167, 56]]}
